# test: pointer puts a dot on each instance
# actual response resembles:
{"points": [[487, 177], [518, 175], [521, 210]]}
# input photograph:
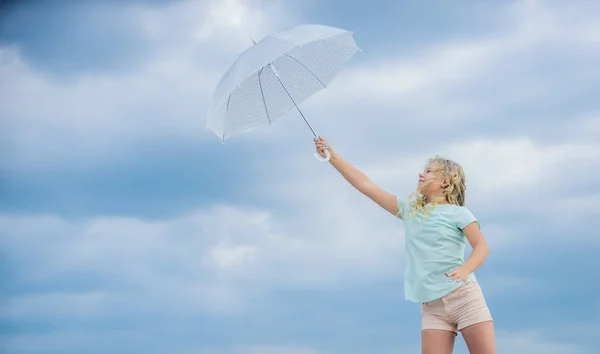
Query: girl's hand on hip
{"points": [[458, 274]]}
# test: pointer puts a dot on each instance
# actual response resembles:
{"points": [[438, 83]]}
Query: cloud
{"points": [[163, 96], [221, 262], [478, 81], [293, 235], [489, 84], [503, 170], [210, 260]]}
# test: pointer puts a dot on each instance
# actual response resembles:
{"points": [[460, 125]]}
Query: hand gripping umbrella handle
{"points": [[318, 156], [327, 156]]}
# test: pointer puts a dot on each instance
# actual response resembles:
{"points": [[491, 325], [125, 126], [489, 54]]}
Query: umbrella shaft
{"points": [[292, 98]]}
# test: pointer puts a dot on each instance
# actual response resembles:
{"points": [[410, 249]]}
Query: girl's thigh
{"points": [[436, 341], [480, 338]]}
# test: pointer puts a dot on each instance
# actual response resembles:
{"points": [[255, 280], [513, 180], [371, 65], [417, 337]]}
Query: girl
{"points": [[436, 225]]}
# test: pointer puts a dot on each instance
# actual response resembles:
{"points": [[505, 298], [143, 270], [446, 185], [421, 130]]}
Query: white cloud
{"points": [[437, 68], [456, 84], [219, 260], [211, 260], [232, 14], [166, 96], [49, 120], [504, 177], [502, 165], [495, 169], [225, 25]]}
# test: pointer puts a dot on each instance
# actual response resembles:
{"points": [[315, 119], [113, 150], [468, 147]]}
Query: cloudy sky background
{"points": [[127, 227]]}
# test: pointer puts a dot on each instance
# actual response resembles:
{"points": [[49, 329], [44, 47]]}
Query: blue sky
{"points": [[127, 227]]}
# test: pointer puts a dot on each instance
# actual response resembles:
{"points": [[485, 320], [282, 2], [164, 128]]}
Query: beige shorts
{"points": [[461, 308]]}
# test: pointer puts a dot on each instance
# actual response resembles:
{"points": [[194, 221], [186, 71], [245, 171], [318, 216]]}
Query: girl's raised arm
{"points": [[358, 179]]}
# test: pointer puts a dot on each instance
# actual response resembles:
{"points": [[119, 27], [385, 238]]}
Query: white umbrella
{"points": [[275, 75]]}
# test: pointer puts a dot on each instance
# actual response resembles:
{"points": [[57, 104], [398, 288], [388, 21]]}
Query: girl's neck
{"points": [[438, 199]]}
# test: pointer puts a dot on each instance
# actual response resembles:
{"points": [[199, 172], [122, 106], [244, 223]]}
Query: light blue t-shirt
{"points": [[434, 245]]}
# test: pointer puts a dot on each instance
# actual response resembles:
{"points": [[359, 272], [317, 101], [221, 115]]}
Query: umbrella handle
{"points": [[327, 156]]}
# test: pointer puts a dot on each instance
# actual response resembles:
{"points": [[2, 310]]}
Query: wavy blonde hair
{"points": [[453, 193]]}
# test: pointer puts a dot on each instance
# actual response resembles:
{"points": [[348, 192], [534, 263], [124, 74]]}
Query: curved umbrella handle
{"points": [[327, 156]]}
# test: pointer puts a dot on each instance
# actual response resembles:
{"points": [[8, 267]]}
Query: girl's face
{"points": [[430, 183]]}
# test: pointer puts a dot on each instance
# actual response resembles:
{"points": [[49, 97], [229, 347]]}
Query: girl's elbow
{"points": [[486, 250], [482, 248]]}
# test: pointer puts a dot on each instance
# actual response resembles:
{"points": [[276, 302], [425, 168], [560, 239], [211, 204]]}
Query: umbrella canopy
{"points": [[275, 75]]}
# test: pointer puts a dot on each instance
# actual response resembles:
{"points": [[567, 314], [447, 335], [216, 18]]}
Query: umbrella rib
{"points": [[310, 71], [262, 94], [292, 98], [226, 110]]}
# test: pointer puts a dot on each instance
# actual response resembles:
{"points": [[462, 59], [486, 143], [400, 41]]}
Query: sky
{"points": [[127, 227]]}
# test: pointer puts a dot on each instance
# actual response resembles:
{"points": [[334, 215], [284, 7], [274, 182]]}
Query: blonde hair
{"points": [[453, 193]]}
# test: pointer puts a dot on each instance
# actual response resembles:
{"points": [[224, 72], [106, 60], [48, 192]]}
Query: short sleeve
{"points": [[464, 217], [402, 207]]}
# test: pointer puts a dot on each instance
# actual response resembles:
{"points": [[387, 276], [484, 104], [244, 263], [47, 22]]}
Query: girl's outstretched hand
{"points": [[321, 145]]}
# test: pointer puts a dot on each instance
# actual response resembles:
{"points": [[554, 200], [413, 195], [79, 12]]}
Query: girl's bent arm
{"points": [[480, 247], [363, 184]]}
